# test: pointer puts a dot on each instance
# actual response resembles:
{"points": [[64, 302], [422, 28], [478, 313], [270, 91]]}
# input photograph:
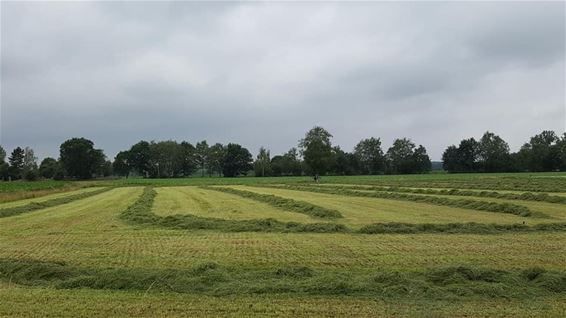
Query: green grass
{"points": [[418, 259]]}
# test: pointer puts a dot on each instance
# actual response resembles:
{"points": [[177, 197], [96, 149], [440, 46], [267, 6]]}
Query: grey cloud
{"points": [[264, 73]]}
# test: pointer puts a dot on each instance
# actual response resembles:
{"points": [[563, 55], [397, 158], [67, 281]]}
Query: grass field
{"points": [[281, 247]]}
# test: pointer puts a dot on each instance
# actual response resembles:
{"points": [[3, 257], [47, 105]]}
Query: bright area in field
{"points": [[214, 204], [46, 197], [359, 211]]}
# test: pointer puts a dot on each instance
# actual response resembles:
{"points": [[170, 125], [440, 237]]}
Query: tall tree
{"points": [[140, 158], [237, 160], [3, 165], [542, 152], [48, 168], [262, 165], [493, 153], [16, 161], [316, 149], [216, 158], [80, 159], [403, 157], [121, 164], [370, 156], [201, 156], [187, 158]]}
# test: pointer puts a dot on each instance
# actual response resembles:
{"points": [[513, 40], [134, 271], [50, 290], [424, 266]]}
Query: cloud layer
{"points": [[264, 73]]}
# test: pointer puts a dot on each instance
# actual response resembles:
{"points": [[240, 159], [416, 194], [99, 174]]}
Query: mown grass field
{"points": [[288, 247]]}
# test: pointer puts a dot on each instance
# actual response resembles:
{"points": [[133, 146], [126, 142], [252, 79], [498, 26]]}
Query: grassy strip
{"points": [[526, 196], [33, 206], [213, 279], [282, 203], [457, 203], [140, 213]]}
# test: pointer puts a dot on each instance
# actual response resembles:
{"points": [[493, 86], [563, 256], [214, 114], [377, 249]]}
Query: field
{"points": [[438, 245]]}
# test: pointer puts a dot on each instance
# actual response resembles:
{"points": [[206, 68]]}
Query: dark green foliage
{"points": [[370, 156], [79, 158], [49, 168], [287, 165], [403, 157], [213, 279], [122, 164], [459, 203], [16, 161], [316, 149], [237, 160], [283, 203], [49, 203]]}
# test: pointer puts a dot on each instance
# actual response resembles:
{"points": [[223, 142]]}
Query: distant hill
{"points": [[436, 165]]}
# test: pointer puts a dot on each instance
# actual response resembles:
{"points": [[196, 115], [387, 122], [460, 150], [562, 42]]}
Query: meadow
{"points": [[436, 245]]}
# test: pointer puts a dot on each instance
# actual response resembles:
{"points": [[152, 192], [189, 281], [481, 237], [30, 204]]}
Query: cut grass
{"points": [[525, 196], [214, 204], [213, 279], [283, 203], [458, 203], [33, 206]]}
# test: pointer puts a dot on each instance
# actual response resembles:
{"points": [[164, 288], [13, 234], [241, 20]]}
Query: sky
{"points": [[262, 74]]}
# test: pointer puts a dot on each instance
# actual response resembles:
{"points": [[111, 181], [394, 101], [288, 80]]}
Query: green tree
{"points": [[4, 167], [29, 167], [187, 158], [48, 167], [542, 152], [370, 156], [237, 160], [316, 149], [201, 156], [451, 159], [121, 164], [493, 153], [80, 159], [404, 157], [262, 165], [140, 158], [16, 161], [216, 158]]}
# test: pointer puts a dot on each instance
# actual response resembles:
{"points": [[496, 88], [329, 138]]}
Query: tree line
{"points": [[543, 152], [314, 155]]}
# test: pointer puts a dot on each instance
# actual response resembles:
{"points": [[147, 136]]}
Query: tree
{"points": [[463, 158], [187, 159], [80, 159], [561, 145], [422, 161], [451, 159], [542, 152], [343, 163], [48, 167], [121, 164], [140, 158], [493, 153], [16, 161], [262, 165], [201, 155], [3, 165], [403, 157], [216, 158], [370, 156], [316, 149], [237, 160], [29, 167]]}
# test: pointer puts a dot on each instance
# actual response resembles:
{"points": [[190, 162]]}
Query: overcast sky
{"points": [[264, 73]]}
